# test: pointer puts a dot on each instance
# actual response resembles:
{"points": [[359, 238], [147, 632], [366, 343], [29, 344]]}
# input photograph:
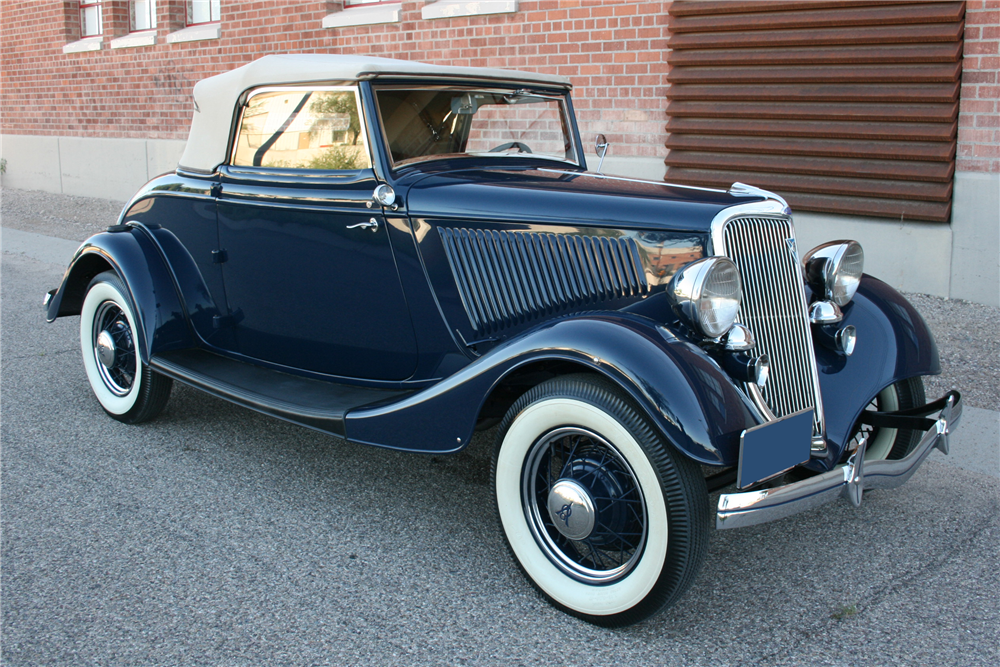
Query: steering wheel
{"points": [[521, 148]]}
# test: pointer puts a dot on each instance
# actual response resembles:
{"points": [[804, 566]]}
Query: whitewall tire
{"points": [[892, 443], [125, 387], [605, 518]]}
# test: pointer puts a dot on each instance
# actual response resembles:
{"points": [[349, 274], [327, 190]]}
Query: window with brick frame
{"points": [[90, 18], [142, 15], [203, 11]]}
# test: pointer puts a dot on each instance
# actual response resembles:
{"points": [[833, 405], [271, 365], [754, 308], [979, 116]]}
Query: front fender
{"points": [[893, 343], [134, 256], [685, 394]]}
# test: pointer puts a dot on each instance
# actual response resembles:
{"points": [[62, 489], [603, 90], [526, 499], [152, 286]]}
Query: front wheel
{"points": [[605, 518], [127, 389], [892, 443]]}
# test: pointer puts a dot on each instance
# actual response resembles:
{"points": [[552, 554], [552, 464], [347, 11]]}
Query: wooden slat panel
{"points": [[886, 92], [845, 106], [846, 187], [895, 73], [825, 55], [896, 209], [828, 129], [713, 7], [905, 34], [943, 12], [904, 170], [941, 151], [830, 111]]}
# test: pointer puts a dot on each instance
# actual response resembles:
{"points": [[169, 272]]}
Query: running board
{"points": [[304, 401]]}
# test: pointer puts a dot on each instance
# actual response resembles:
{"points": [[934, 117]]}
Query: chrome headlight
{"points": [[706, 294], [834, 270]]}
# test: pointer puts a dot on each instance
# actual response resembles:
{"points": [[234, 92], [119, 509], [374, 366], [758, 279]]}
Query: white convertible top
{"points": [[216, 97]]}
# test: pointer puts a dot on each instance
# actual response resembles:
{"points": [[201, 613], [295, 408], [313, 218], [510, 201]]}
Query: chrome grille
{"points": [[774, 308]]}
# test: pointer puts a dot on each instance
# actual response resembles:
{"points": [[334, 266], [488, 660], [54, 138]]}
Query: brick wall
{"points": [[979, 115], [614, 51]]}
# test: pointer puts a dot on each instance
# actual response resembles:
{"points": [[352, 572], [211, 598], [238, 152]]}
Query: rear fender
{"points": [[685, 394], [137, 260]]}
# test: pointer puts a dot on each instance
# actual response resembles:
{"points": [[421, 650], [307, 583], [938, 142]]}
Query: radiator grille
{"points": [[774, 309], [506, 278]]}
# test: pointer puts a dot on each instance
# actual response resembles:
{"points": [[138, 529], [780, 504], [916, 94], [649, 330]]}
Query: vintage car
{"points": [[400, 254]]}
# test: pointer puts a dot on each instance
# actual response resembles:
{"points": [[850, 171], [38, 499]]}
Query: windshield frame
{"points": [[561, 97]]}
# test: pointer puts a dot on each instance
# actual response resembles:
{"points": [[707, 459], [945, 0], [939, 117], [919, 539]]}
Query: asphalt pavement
{"points": [[217, 536]]}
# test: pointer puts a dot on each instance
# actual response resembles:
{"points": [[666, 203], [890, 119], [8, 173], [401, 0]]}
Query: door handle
{"points": [[371, 224]]}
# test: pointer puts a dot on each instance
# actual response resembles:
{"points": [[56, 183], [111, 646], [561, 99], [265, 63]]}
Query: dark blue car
{"points": [[399, 254]]}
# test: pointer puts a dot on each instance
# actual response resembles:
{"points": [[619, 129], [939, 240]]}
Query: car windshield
{"points": [[422, 123]]}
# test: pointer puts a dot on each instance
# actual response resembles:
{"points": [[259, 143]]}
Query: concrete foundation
{"points": [[975, 247], [960, 260], [84, 166], [910, 256]]}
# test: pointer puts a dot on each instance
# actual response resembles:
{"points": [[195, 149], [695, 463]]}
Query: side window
{"points": [[302, 129]]}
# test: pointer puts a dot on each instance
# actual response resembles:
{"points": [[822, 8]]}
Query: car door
{"points": [[308, 267]]}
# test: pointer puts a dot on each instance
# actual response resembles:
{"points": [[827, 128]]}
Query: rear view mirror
{"points": [[464, 105]]}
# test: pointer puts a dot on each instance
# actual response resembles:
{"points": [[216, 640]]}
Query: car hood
{"points": [[540, 195]]}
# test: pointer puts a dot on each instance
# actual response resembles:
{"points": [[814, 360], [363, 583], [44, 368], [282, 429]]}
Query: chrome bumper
{"points": [[850, 480]]}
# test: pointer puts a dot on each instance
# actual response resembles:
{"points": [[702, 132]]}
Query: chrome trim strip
{"points": [[629, 180], [736, 510], [151, 189]]}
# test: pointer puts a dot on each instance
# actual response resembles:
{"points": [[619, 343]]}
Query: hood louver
{"points": [[507, 278]]}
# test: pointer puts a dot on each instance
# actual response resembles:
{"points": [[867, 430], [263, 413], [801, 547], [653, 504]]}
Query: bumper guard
{"points": [[737, 510]]}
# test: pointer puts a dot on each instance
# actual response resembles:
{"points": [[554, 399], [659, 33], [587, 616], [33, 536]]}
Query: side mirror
{"points": [[601, 144]]}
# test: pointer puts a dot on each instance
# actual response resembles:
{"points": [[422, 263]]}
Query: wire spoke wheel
{"points": [[600, 536], [605, 517], [114, 348], [127, 389]]}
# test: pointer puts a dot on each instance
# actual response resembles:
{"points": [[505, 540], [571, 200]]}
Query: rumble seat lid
{"points": [[215, 98]]}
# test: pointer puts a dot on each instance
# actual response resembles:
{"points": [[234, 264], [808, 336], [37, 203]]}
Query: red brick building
{"points": [[878, 120]]}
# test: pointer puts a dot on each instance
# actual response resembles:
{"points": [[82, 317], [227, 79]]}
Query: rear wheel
{"points": [[605, 518], [127, 389]]}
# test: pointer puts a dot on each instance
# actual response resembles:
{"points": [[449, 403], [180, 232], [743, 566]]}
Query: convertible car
{"points": [[400, 254]]}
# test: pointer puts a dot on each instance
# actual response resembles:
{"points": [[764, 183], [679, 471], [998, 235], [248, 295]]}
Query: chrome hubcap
{"points": [[106, 349], [571, 509]]}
